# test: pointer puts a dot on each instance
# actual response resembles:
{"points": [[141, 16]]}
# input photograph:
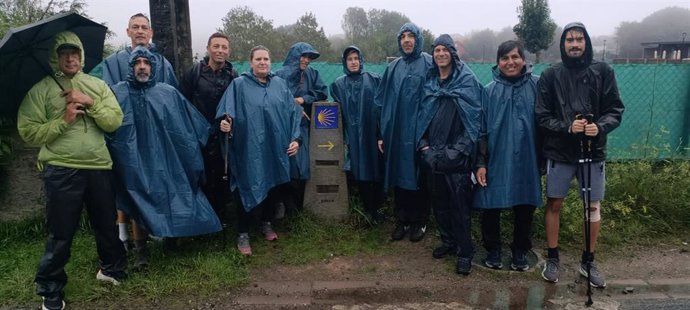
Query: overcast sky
{"points": [[440, 16]]}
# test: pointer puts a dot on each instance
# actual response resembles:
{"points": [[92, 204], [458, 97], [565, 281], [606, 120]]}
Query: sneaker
{"points": [[417, 232], [493, 259], [463, 265], [269, 234], [107, 277], [399, 231], [53, 303], [443, 250], [243, 244], [550, 272], [520, 262], [595, 279]]}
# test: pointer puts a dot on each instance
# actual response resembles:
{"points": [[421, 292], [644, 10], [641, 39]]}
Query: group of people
{"points": [[170, 154]]}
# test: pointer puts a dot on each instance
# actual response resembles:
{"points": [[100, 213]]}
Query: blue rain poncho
{"points": [[465, 91], [264, 122], [399, 96], [355, 93], [157, 158], [508, 126], [308, 85], [115, 68]]}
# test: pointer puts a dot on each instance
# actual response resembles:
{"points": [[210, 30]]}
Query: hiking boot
{"points": [[243, 244], [399, 231], [141, 256], [279, 211], [520, 262], [417, 232], [113, 278], [595, 279], [550, 272], [267, 229], [443, 250], [463, 265], [493, 259], [53, 303]]}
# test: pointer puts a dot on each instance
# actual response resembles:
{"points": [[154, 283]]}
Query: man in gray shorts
{"points": [[577, 86]]}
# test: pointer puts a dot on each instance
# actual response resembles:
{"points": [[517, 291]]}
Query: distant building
{"points": [[666, 50]]}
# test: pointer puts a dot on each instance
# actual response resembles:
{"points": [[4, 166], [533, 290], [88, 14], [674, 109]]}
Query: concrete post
{"points": [[172, 32]]}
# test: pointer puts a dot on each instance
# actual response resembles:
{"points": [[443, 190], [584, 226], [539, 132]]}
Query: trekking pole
{"points": [[226, 148], [586, 160]]}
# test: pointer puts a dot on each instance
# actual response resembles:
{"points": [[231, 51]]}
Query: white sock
{"points": [[122, 228]]}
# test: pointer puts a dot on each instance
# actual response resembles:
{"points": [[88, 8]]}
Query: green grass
{"points": [[646, 202]]}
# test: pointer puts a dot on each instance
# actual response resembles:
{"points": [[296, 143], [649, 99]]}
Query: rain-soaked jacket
{"points": [[355, 93], [115, 68], [157, 157], [308, 85], [398, 97], [451, 132], [40, 121], [509, 135], [576, 86], [265, 121]]}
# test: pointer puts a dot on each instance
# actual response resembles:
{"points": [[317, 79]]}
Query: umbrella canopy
{"points": [[25, 53]]}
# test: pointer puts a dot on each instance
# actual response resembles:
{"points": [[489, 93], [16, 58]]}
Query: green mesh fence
{"points": [[656, 122]]}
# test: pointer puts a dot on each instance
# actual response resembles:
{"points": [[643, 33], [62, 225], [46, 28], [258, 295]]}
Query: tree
{"points": [[307, 30], [246, 29], [667, 24], [355, 25], [535, 28], [15, 13]]}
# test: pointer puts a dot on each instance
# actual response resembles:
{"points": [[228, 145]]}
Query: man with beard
{"points": [[398, 97], [203, 85], [157, 157], [578, 103]]}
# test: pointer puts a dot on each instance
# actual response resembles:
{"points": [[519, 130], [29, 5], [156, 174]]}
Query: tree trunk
{"points": [[538, 57]]}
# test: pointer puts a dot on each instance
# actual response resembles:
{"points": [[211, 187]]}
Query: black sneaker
{"points": [[493, 259], [417, 232], [463, 265], [520, 262], [443, 250], [399, 231], [53, 303]]}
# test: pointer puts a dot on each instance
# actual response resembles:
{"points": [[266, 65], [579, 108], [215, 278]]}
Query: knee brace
{"points": [[594, 211]]}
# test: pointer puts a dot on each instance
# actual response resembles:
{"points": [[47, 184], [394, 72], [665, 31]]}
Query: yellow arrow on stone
{"points": [[329, 145]]}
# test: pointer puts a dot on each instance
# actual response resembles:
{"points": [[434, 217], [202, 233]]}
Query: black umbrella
{"points": [[25, 53]]}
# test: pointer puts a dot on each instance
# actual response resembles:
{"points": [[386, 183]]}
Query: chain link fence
{"points": [[656, 122]]}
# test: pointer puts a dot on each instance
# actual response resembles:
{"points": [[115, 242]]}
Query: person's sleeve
{"points": [[197, 121], [170, 77], [378, 101], [106, 111], [318, 91], [543, 110], [612, 108], [482, 155], [186, 84], [32, 123]]}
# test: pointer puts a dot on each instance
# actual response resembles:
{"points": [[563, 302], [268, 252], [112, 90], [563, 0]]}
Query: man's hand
{"points": [[72, 110], [481, 176], [299, 100], [226, 124], [591, 130], [76, 96], [578, 126], [293, 148], [380, 144]]}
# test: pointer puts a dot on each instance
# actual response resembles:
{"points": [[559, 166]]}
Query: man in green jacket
{"points": [[76, 167]]}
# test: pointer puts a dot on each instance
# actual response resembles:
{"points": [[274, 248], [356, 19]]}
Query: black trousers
{"points": [[412, 206], [522, 228], [451, 198], [216, 189], [67, 191], [265, 211], [371, 195]]}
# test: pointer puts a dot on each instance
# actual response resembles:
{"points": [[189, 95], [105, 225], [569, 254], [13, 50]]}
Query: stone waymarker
{"points": [[326, 192]]}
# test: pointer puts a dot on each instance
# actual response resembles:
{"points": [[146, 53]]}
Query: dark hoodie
{"points": [[576, 86]]}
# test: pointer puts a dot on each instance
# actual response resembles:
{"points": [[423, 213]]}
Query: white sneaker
{"points": [[101, 276]]}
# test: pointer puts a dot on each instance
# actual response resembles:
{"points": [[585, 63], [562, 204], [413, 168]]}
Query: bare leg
{"points": [[552, 213]]}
